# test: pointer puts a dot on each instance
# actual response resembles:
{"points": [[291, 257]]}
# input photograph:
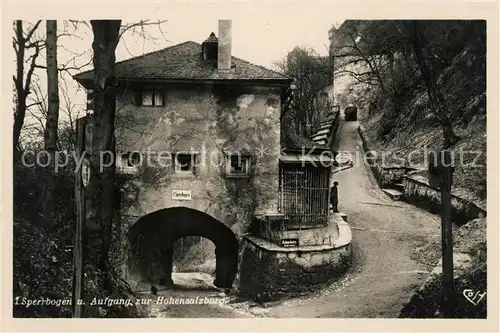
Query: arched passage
{"points": [[152, 238]]}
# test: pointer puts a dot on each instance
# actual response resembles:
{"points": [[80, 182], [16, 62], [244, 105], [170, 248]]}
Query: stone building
{"points": [[198, 136]]}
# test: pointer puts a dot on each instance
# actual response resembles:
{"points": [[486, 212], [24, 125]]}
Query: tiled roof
{"points": [[184, 62]]}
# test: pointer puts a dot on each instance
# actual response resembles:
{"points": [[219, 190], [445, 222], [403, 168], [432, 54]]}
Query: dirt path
{"points": [[385, 234], [190, 290]]}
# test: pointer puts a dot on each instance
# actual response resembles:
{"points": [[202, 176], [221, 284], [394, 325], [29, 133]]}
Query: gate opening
{"points": [[152, 238]]}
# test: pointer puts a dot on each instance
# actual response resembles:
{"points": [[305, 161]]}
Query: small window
{"points": [[129, 162], [184, 162], [132, 160], [152, 98], [237, 165]]}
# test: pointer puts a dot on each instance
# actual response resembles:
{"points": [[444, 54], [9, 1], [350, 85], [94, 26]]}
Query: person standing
{"points": [[334, 197]]}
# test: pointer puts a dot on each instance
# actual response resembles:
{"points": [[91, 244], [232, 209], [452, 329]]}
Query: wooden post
{"points": [[78, 286], [448, 302]]}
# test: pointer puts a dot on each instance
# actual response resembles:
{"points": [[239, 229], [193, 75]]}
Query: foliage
{"points": [[455, 52], [469, 239], [43, 258], [402, 65], [311, 74]]}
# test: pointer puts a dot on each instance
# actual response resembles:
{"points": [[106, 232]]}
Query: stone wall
{"points": [[209, 120], [269, 272], [418, 192], [334, 129]]}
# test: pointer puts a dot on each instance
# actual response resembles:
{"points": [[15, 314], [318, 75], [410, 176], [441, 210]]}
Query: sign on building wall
{"points": [[290, 242], [181, 195]]}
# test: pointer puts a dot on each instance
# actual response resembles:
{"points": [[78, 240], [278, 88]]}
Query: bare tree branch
{"points": [[32, 31]]}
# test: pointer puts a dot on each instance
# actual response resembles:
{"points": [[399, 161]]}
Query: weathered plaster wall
{"points": [[209, 120]]}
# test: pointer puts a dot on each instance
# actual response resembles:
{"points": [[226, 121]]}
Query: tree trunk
{"points": [[21, 96], [100, 205], [50, 135], [22, 86], [436, 99]]}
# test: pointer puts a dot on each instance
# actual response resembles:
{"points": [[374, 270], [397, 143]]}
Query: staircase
{"points": [[323, 133], [395, 193]]}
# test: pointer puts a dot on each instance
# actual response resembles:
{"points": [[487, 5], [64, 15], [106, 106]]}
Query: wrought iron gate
{"points": [[304, 195]]}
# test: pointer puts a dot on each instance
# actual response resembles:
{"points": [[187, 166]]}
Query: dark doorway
{"points": [[153, 236]]}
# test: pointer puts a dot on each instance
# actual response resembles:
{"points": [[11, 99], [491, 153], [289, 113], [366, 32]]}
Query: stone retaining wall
{"points": [[269, 272], [418, 192]]}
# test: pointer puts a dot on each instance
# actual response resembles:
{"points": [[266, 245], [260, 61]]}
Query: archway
{"points": [[152, 238]]}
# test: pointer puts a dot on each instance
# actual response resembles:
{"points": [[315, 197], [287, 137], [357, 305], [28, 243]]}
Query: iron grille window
{"points": [[304, 194]]}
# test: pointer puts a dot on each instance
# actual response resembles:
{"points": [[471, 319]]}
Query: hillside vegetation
{"points": [[43, 257], [401, 122], [400, 119]]}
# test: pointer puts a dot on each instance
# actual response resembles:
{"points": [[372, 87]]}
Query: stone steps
{"points": [[320, 137], [399, 187], [393, 194], [323, 131]]}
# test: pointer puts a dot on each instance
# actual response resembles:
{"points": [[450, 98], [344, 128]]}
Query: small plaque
{"points": [[181, 195], [290, 242]]}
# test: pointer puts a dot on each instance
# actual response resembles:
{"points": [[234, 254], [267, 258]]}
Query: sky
{"points": [[261, 33]]}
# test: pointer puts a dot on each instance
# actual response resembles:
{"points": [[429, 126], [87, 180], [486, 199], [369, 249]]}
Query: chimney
{"points": [[224, 48]]}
